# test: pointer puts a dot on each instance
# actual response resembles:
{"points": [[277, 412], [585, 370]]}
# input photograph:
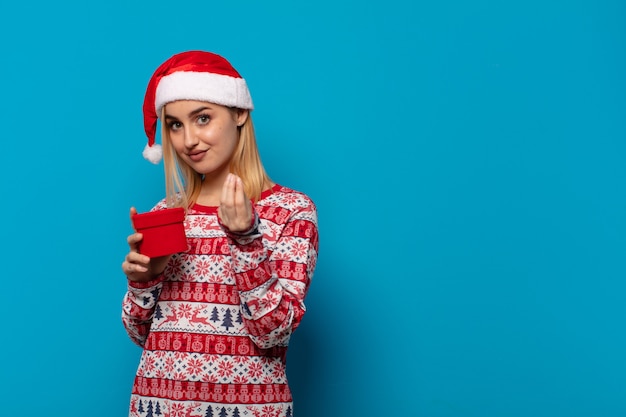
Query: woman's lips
{"points": [[197, 156]]}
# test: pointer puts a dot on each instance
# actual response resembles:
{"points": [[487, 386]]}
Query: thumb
{"points": [[133, 211]]}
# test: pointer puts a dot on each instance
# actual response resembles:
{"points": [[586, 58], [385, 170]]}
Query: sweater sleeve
{"points": [[138, 308], [273, 281]]}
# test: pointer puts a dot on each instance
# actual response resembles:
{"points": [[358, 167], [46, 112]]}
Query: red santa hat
{"points": [[191, 75]]}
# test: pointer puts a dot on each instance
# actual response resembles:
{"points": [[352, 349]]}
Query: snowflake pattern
{"points": [[215, 328]]}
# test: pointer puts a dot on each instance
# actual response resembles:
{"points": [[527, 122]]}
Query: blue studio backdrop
{"points": [[468, 161]]}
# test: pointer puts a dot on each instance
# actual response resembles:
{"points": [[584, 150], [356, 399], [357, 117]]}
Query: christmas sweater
{"points": [[215, 325]]}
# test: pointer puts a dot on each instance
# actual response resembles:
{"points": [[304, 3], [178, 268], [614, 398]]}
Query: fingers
{"points": [[132, 268], [135, 262], [135, 266], [235, 209], [133, 242], [138, 267], [228, 192], [241, 201]]}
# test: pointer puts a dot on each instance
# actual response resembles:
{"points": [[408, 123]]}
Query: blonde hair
{"points": [[183, 184]]}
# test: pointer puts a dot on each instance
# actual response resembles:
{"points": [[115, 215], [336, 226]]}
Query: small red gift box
{"points": [[163, 231]]}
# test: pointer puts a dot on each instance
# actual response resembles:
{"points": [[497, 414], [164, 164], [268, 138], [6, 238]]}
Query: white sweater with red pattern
{"points": [[216, 324]]}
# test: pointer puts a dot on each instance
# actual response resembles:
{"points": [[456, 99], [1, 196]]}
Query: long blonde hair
{"points": [[183, 184]]}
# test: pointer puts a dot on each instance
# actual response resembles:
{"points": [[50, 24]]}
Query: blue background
{"points": [[468, 161]]}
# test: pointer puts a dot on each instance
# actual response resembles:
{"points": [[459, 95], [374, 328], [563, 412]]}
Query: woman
{"points": [[215, 321]]}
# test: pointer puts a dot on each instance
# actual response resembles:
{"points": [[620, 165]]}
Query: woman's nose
{"points": [[191, 139]]}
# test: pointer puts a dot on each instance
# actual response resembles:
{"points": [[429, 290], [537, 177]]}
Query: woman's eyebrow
{"points": [[198, 110], [191, 113]]}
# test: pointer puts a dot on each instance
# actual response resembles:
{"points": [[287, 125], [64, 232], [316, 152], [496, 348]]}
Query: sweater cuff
{"points": [[146, 284], [246, 236]]}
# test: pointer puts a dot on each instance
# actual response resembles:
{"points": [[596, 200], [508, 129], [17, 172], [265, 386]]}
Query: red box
{"points": [[163, 231]]}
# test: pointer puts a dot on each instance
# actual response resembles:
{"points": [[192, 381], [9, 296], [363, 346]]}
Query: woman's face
{"points": [[203, 134]]}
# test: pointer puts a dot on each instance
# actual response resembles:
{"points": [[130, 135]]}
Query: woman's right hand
{"points": [[138, 267]]}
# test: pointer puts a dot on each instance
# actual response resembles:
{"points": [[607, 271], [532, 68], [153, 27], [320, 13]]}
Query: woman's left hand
{"points": [[235, 210]]}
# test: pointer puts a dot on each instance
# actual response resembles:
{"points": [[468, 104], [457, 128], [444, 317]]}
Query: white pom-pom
{"points": [[153, 153]]}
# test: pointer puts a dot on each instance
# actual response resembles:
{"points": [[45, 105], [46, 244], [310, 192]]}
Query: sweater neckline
{"points": [[213, 209]]}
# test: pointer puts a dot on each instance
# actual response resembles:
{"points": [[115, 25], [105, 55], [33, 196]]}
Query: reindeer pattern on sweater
{"points": [[215, 326]]}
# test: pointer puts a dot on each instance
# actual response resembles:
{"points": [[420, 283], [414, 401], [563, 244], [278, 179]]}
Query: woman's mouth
{"points": [[197, 156]]}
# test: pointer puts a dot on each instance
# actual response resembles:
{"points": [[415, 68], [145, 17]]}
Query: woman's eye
{"points": [[203, 119], [175, 126]]}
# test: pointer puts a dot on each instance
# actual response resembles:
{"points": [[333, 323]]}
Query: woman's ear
{"points": [[241, 116]]}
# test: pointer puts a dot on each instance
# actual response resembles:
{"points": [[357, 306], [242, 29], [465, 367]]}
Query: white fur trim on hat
{"points": [[153, 153], [203, 86]]}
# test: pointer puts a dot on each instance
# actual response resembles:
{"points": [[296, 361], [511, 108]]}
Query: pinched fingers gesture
{"points": [[235, 210]]}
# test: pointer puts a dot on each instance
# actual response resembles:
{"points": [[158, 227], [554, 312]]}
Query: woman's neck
{"points": [[211, 190]]}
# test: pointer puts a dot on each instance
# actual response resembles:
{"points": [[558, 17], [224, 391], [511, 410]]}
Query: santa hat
{"points": [[192, 75]]}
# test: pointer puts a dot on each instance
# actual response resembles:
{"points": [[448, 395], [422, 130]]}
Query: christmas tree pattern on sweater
{"points": [[216, 324]]}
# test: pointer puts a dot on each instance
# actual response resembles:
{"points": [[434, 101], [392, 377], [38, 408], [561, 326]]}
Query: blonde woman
{"points": [[215, 321]]}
